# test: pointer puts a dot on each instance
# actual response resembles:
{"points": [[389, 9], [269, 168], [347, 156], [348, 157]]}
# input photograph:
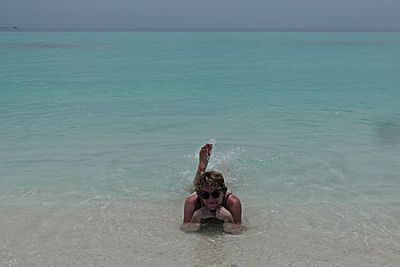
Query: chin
{"points": [[213, 206]]}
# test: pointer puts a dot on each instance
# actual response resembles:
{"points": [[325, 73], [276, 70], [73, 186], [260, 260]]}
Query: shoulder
{"points": [[234, 206], [191, 200], [233, 201], [190, 207]]}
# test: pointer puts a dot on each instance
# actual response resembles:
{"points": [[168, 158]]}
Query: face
{"points": [[211, 203]]}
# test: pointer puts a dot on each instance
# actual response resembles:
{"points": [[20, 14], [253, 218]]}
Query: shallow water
{"points": [[100, 132], [138, 234]]}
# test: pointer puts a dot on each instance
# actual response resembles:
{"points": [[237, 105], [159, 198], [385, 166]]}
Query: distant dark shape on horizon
{"points": [[347, 15]]}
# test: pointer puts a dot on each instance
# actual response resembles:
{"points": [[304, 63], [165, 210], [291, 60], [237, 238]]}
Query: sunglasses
{"points": [[206, 195]]}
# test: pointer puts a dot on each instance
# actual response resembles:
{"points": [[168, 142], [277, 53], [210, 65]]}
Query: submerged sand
{"points": [[147, 234]]}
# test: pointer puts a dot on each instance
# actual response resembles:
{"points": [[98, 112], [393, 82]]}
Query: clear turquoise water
{"points": [[297, 117], [99, 134]]}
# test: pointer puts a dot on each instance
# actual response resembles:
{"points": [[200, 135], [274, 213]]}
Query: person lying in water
{"points": [[211, 202]]}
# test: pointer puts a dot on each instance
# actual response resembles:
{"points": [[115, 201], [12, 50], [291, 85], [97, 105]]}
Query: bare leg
{"points": [[204, 156]]}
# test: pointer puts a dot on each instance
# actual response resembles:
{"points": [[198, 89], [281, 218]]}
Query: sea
{"points": [[100, 133]]}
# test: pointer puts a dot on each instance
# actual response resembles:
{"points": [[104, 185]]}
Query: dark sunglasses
{"points": [[206, 195]]}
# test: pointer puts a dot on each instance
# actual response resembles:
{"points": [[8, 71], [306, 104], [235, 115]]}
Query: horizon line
{"points": [[194, 29]]}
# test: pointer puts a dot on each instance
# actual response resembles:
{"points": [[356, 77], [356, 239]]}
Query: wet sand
{"points": [[147, 234]]}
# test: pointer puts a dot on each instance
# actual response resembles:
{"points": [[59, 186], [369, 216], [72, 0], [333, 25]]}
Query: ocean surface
{"points": [[100, 131]]}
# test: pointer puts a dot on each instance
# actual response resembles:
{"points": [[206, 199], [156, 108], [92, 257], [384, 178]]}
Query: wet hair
{"points": [[210, 178]]}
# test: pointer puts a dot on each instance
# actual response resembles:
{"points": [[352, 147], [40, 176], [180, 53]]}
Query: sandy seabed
{"points": [[147, 234]]}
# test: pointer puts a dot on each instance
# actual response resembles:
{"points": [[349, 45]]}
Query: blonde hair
{"points": [[210, 178]]}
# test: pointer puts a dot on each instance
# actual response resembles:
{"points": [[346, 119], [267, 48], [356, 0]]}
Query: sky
{"points": [[348, 15]]}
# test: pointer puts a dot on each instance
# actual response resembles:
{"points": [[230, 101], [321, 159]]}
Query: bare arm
{"points": [[235, 208], [189, 208], [191, 216]]}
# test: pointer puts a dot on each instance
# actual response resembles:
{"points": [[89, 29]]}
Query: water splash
{"points": [[212, 141], [227, 162]]}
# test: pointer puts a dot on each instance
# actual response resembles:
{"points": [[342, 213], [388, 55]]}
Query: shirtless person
{"points": [[211, 201]]}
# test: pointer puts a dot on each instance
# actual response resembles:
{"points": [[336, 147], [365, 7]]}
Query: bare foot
{"points": [[204, 156]]}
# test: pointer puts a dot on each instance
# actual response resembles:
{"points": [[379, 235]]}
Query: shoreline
{"points": [[147, 234]]}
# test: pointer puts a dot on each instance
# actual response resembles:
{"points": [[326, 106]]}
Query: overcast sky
{"points": [[201, 14]]}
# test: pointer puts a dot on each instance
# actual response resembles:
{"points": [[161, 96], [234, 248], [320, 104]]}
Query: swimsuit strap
{"points": [[225, 200]]}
